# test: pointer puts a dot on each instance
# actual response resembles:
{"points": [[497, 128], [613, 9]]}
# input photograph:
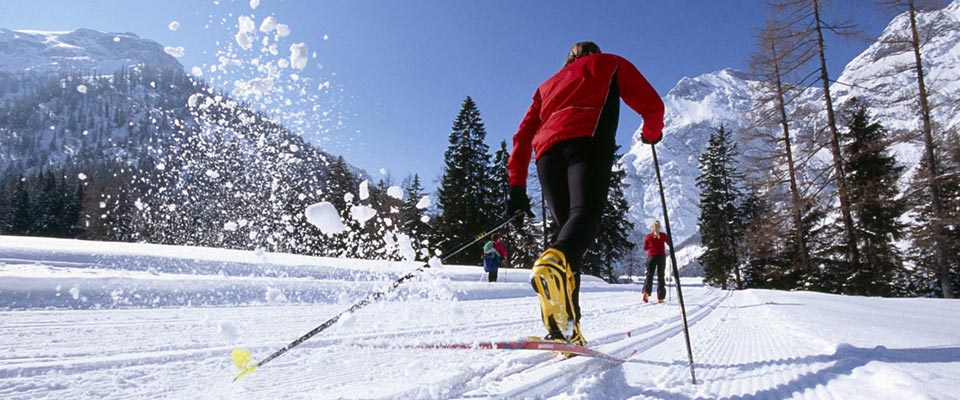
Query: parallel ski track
{"points": [[545, 379]]}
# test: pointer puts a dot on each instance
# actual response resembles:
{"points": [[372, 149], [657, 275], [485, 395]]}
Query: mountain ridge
{"points": [[79, 50]]}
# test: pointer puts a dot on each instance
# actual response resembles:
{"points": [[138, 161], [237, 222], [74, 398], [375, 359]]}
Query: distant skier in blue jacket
{"points": [[494, 254]]}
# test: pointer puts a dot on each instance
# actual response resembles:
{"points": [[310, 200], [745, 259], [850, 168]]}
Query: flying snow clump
{"points": [[423, 203], [364, 189], [324, 216], [82, 88], [298, 55], [362, 214], [395, 192], [269, 24], [246, 34], [405, 247], [174, 25]]}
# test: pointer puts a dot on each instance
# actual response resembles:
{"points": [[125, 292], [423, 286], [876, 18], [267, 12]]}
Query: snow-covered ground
{"points": [[98, 320]]}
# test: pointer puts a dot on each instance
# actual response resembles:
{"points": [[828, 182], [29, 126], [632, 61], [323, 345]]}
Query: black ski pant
{"points": [[492, 276], [575, 178], [658, 264]]}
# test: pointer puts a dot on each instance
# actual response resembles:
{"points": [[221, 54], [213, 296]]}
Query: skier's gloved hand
{"points": [[519, 203], [644, 139]]}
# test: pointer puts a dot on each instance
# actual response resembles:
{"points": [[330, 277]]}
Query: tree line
{"points": [[785, 220]]}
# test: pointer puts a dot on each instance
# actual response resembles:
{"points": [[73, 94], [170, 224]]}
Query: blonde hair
{"points": [[656, 229], [581, 49]]}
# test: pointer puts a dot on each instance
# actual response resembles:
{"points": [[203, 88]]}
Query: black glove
{"points": [[519, 203], [644, 140]]}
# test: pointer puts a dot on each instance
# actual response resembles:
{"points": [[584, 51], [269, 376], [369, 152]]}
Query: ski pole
{"points": [[244, 360], [673, 260]]}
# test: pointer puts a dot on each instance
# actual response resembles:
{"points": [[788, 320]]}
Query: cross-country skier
{"points": [[494, 254], [571, 128], [654, 243]]}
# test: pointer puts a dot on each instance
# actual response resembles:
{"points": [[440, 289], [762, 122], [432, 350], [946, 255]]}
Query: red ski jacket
{"points": [[655, 246], [568, 106]]}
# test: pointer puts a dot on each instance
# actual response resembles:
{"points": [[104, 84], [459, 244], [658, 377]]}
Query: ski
{"points": [[530, 343]]}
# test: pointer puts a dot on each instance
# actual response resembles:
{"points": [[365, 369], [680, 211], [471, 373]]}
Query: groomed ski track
{"points": [[745, 347]]}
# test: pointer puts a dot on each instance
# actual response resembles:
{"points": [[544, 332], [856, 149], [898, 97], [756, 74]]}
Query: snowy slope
{"points": [[62, 336], [696, 106], [81, 50]]}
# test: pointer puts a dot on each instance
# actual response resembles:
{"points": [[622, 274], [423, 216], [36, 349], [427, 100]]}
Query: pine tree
{"points": [[413, 219], [21, 215], [926, 278], [612, 244], [872, 175], [720, 225], [464, 196], [757, 255], [499, 182]]}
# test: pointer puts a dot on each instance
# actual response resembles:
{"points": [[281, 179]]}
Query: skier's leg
{"points": [[648, 281], [588, 181], [661, 286], [575, 176], [551, 276]]}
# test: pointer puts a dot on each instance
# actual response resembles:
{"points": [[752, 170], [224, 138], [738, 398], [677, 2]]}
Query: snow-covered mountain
{"points": [[81, 50], [696, 106], [112, 112]]}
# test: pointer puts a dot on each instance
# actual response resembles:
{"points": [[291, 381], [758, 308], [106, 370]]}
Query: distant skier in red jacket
{"points": [[656, 261], [571, 128]]}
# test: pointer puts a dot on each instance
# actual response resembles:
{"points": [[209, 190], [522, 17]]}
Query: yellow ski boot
{"points": [[553, 280]]}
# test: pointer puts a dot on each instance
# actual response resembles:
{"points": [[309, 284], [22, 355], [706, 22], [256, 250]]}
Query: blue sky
{"points": [[402, 68]]}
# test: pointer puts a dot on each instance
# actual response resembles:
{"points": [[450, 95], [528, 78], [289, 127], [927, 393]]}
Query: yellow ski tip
{"points": [[244, 362]]}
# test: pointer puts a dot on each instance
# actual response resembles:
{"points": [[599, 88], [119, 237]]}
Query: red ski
{"points": [[531, 343]]}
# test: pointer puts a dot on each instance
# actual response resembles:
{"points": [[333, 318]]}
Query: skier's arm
{"points": [[522, 144], [642, 98]]}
